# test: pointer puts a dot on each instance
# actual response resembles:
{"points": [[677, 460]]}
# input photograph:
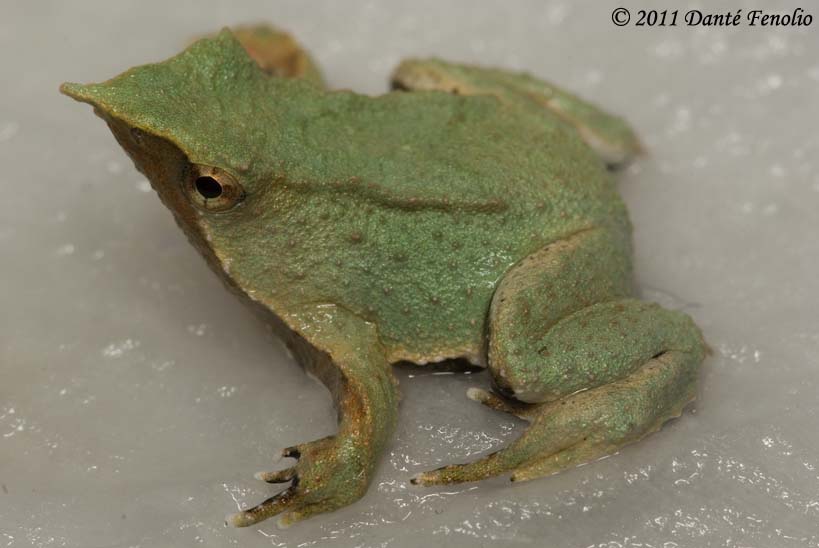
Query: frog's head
{"points": [[192, 125]]}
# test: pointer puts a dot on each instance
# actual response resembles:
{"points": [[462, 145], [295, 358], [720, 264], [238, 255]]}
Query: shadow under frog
{"points": [[467, 214]]}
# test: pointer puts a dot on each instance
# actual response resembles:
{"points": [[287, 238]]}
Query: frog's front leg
{"points": [[597, 369], [345, 354]]}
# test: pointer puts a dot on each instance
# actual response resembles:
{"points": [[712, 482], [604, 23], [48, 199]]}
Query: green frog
{"points": [[470, 213]]}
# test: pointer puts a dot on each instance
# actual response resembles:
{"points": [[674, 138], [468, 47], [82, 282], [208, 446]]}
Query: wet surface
{"points": [[137, 397]]}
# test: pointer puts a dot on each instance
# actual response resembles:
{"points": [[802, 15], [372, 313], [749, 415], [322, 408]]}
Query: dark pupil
{"points": [[208, 187]]}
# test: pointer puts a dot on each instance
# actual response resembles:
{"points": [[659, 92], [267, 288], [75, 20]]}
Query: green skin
{"points": [[468, 215]]}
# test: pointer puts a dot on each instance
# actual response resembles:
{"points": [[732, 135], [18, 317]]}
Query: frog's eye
{"points": [[213, 189]]}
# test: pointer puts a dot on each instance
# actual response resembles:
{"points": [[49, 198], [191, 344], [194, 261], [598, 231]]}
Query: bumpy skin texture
{"points": [[467, 216], [610, 136], [277, 53]]}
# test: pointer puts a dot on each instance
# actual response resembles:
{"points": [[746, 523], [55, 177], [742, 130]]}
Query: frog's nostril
{"points": [[208, 187]]}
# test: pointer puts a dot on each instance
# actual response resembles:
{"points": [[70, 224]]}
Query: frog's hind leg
{"points": [[277, 52], [597, 369], [608, 135]]}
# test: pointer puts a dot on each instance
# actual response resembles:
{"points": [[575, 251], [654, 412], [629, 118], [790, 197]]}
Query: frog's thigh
{"points": [[605, 369], [549, 285]]}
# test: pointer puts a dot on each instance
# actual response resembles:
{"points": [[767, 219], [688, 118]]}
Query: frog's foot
{"points": [[325, 478], [585, 426], [608, 135]]}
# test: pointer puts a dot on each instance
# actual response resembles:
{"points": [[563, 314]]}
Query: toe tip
{"points": [[230, 520], [239, 519], [419, 479], [475, 394]]}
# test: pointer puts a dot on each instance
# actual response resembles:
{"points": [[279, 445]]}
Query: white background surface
{"points": [[137, 397]]}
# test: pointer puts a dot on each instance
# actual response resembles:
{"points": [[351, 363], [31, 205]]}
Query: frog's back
{"points": [[408, 208], [464, 152]]}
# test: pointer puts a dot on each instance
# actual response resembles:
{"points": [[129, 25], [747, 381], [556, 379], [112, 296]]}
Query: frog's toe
{"points": [[582, 452], [289, 518], [278, 476], [330, 473], [290, 497], [286, 474], [291, 504], [499, 403], [486, 467]]}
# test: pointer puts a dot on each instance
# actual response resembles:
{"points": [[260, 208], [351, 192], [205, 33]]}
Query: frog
{"points": [[469, 213]]}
